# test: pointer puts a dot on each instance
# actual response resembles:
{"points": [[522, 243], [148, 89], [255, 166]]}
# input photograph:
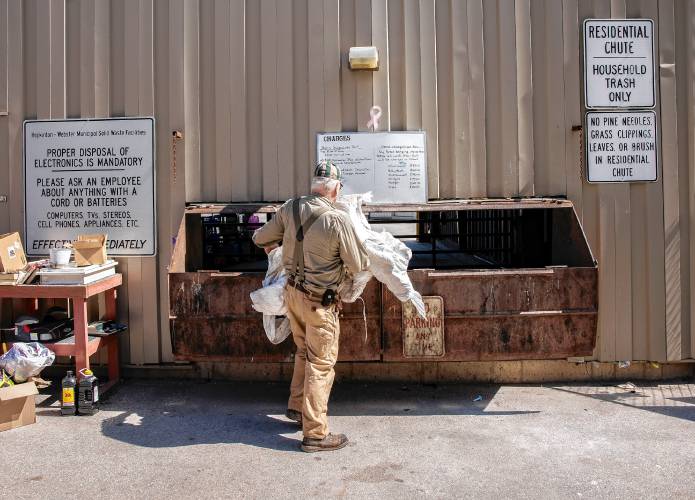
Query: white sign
{"points": [[392, 165], [621, 146], [87, 177], [619, 63]]}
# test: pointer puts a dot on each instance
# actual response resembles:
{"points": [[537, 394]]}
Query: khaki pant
{"points": [[315, 330]]}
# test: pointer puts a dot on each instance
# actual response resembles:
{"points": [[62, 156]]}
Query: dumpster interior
{"points": [[487, 238], [439, 239]]}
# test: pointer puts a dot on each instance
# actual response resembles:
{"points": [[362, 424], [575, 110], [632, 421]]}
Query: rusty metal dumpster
{"points": [[517, 281], [505, 279], [215, 267]]}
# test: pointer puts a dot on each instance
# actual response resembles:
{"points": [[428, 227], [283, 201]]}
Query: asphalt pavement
{"points": [[176, 439]]}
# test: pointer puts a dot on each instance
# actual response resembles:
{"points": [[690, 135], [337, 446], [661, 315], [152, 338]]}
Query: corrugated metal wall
{"points": [[496, 84]]}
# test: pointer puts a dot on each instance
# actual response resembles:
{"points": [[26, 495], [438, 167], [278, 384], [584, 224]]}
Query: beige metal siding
{"points": [[496, 84]]}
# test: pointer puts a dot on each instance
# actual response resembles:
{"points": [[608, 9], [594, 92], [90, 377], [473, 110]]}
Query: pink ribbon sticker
{"points": [[375, 113]]}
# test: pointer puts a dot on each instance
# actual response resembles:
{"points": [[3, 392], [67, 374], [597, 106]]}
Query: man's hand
{"points": [[269, 249]]}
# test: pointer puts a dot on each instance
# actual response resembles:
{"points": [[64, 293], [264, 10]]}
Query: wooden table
{"points": [[81, 346]]}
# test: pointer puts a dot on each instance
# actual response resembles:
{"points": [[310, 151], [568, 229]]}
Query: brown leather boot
{"points": [[294, 415], [329, 443]]}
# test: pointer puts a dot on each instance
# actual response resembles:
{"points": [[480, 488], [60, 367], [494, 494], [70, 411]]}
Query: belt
{"points": [[299, 287]]}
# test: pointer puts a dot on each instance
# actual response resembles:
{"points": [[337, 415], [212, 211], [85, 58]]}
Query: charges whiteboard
{"points": [[392, 165]]}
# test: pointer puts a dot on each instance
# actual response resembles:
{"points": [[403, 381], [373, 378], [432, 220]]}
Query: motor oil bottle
{"points": [[67, 400], [88, 393]]}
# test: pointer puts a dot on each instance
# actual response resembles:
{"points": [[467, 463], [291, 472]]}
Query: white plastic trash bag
{"points": [[270, 300], [277, 328], [25, 360], [352, 286], [388, 257]]}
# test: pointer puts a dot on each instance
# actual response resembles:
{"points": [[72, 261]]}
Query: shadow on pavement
{"points": [[185, 429], [676, 401], [167, 414]]}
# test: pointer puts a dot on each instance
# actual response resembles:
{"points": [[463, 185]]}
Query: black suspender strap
{"points": [[302, 229]]}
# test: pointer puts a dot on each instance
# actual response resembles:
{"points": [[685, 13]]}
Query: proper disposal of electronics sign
{"points": [[88, 177]]}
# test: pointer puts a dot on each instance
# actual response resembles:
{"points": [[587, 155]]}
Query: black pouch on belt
{"points": [[328, 298]]}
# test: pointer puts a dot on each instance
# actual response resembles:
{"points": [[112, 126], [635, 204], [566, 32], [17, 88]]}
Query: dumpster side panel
{"points": [[209, 294], [505, 338], [213, 319], [360, 341], [226, 338], [505, 315]]}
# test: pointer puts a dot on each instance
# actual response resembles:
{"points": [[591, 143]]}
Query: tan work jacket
{"points": [[330, 245]]}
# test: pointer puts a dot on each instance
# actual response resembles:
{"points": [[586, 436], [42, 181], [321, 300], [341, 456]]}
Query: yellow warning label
{"points": [[69, 395]]}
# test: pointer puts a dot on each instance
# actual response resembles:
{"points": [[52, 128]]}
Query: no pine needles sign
{"points": [[621, 146]]}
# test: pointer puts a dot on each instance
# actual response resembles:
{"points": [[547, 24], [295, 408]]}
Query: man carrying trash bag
{"points": [[319, 246]]}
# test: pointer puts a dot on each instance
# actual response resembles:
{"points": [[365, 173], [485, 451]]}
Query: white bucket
{"points": [[60, 256]]}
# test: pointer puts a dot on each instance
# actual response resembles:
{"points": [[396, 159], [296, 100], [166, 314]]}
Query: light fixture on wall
{"points": [[363, 58]]}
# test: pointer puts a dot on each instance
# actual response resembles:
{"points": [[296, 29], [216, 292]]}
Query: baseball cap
{"points": [[328, 169]]}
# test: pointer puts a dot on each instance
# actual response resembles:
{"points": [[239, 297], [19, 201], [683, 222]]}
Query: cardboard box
{"points": [[12, 256], [17, 405], [90, 249]]}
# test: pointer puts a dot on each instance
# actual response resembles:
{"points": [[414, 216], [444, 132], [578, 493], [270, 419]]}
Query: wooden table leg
{"points": [[110, 299], [80, 320], [114, 363]]}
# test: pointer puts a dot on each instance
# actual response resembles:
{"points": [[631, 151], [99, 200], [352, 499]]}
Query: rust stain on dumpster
{"points": [[548, 313], [213, 320]]}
